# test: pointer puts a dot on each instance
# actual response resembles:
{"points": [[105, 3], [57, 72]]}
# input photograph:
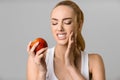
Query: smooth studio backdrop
{"points": [[23, 20]]}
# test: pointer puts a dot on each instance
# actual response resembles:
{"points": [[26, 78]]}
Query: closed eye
{"points": [[54, 22], [67, 22]]}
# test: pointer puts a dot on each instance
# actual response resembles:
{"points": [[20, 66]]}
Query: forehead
{"points": [[62, 11]]}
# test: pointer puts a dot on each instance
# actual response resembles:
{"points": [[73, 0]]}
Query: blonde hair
{"points": [[79, 19]]}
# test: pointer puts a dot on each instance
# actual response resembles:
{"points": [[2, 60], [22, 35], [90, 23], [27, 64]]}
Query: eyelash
{"points": [[54, 23], [67, 23]]}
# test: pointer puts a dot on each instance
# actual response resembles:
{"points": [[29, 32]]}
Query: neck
{"points": [[60, 52], [60, 55]]}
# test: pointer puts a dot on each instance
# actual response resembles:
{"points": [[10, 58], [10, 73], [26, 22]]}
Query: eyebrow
{"points": [[63, 19], [66, 18]]}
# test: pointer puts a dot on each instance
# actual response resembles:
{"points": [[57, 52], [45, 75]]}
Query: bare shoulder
{"points": [[95, 57], [96, 66]]}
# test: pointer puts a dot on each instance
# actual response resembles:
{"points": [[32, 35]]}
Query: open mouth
{"points": [[61, 36]]}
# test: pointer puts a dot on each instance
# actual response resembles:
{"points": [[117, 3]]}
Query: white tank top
{"points": [[50, 65]]}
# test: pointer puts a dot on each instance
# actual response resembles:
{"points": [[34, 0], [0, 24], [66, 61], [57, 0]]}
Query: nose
{"points": [[60, 27]]}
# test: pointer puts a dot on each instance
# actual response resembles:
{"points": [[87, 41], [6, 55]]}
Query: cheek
{"points": [[69, 32], [53, 31], [70, 29]]}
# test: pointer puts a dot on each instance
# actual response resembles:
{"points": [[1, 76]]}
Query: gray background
{"points": [[23, 20]]}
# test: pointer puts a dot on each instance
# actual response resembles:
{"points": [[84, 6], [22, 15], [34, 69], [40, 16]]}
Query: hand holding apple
{"points": [[36, 61], [42, 44]]}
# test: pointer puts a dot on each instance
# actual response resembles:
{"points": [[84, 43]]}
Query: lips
{"points": [[61, 36]]}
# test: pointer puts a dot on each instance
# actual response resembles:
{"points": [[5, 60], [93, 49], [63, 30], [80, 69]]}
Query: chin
{"points": [[61, 39], [62, 42]]}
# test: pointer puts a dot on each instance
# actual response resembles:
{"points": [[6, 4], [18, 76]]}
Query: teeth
{"points": [[61, 36]]}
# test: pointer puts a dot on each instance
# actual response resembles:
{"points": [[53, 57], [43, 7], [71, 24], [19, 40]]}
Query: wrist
{"points": [[42, 76], [75, 73]]}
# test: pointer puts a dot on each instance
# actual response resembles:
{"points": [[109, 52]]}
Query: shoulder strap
{"points": [[49, 62], [84, 65]]}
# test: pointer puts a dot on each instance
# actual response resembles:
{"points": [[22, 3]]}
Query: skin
{"points": [[62, 26]]}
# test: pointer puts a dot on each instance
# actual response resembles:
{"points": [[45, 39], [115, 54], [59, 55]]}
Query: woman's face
{"points": [[62, 23]]}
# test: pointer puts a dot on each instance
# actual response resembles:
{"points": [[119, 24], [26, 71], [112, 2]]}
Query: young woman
{"points": [[67, 59]]}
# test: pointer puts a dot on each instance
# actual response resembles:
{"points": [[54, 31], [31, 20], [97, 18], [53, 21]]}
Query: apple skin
{"points": [[42, 44]]}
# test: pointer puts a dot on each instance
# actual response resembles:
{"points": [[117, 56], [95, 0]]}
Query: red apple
{"points": [[42, 44]]}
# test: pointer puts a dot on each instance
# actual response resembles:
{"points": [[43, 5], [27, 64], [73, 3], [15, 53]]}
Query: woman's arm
{"points": [[33, 71], [96, 65], [36, 66], [75, 74], [69, 60]]}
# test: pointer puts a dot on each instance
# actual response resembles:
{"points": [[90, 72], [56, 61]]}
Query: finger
{"points": [[41, 51], [34, 46], [71, 35], [28, 46], [71, 39], [38, 59], [75, 39], [32, 50]]}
